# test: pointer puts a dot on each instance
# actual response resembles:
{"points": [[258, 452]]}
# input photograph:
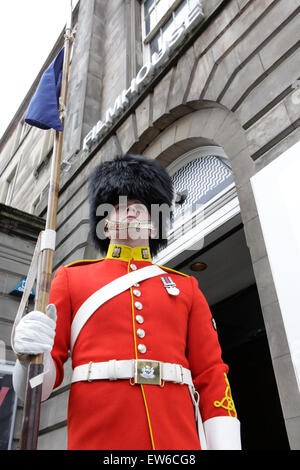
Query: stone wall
{"points": [[231, 84]]}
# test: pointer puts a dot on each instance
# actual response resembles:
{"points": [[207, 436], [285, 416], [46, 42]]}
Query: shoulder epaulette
{"points": [[82, 262], [173, 271]]}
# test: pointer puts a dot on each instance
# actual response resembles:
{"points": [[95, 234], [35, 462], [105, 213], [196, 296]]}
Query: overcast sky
{"points": [[28, 31]]}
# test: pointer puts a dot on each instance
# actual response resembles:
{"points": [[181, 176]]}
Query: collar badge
{"points": [[145, 254], [116, 252]]}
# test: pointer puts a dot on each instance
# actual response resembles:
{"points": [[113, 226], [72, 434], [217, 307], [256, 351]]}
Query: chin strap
{"points": [[139, 224]]}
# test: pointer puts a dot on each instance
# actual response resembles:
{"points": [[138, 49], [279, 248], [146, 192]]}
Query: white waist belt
{"points": [[132, 369], [146, 372]]}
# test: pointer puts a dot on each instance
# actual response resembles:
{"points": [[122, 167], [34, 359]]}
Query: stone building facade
{"points": [[218, 100]]}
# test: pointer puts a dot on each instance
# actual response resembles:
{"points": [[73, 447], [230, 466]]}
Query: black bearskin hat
{"points": [[135, 177]]}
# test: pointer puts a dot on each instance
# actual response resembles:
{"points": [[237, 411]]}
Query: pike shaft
{"points": [[31, 414]]}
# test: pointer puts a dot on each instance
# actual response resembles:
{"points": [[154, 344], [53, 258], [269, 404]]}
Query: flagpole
{"points": [[32, 403]]}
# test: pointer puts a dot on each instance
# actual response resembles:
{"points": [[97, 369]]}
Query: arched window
{"points": [[198, 176], [206, 199]]}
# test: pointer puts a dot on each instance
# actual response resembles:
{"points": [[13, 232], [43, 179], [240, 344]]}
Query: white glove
{"points": [[223, 433], [35, 333]]}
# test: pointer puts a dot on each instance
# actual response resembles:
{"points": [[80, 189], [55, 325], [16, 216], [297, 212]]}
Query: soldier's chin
{"points": [[121, 235], [130, 234], [134, 233]]}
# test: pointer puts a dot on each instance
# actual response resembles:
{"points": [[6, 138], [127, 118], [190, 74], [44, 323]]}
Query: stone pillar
{"points": [[86, 73]]}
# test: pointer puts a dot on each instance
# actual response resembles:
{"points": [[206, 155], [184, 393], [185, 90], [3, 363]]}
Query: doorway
{"points": [[229, 286], [245, 349]]}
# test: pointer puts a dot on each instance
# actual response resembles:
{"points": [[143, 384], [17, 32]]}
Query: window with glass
{"points": [[205, 199], [202, 180], [9, 187], [162, 18]]}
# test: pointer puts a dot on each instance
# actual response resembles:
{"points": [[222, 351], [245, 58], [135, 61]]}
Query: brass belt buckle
{"points": [[147, 372]]}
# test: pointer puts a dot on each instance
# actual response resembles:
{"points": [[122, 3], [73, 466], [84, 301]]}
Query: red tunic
{"points": [[178, 329]]}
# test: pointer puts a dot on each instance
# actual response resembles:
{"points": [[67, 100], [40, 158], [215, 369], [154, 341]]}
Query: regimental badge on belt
{"points": [[147, 372], [170, 285]]}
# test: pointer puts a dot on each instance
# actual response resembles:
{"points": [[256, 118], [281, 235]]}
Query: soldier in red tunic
{"points": [[147, 366]]}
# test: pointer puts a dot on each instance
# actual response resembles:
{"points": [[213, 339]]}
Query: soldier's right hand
{"points": [[35, 333]]}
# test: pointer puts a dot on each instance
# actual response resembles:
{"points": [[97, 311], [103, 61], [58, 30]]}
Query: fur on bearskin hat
{"points": [[136, 177]]}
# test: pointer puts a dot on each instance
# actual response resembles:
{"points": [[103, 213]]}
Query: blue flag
{"points": [[43, 108]]}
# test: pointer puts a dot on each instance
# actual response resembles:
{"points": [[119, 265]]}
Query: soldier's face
{"points": [[132, 209], [128, 210]]}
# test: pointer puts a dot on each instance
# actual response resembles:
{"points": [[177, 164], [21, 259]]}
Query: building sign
{"points": [[143, 77], [8, 406], [277, 196], [20, 287]]}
